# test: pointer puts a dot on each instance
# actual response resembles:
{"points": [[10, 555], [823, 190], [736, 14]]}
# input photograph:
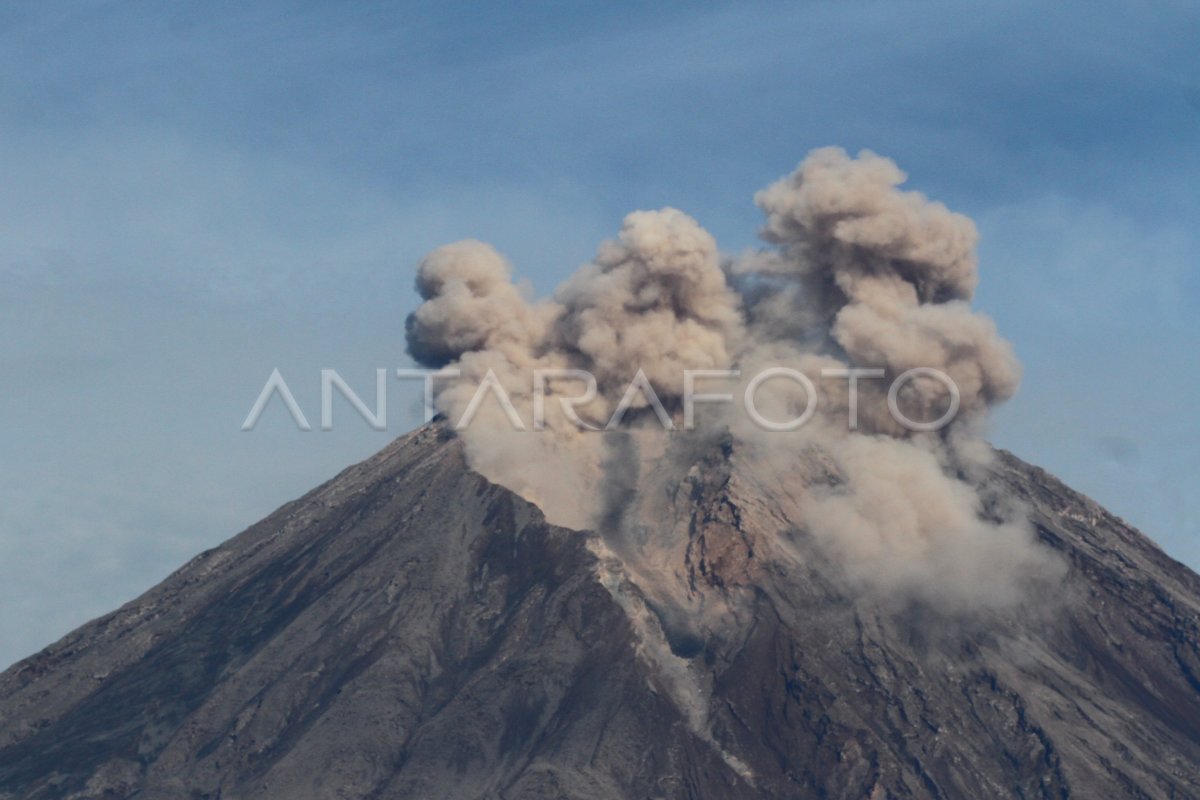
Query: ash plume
{"points": [[856, 274], [877, 277]]}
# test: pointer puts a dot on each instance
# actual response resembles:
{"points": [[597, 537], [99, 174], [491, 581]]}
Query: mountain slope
{"points": [[411, 630]]}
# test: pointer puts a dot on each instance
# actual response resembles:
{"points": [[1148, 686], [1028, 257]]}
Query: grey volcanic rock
{"points": [[410, 630]]}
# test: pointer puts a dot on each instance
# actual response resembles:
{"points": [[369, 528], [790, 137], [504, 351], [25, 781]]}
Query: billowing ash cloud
{"points": [[878, 278], [470, 305], [857, 274], [656, 298]]}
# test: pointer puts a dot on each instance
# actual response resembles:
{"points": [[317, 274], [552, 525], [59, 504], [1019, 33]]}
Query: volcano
{"points": [[411, 630]]}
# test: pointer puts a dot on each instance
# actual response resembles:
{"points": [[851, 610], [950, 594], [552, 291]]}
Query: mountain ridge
{"points": [[410, 629]]}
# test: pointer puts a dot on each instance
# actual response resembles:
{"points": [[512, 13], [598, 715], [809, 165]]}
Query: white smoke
{"points": [[857, 274]]}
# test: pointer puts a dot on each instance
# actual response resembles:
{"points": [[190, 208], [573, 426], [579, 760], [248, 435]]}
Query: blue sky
{"points": [[192, 194]]}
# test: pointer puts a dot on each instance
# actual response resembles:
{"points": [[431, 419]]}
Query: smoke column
{"points": [[855, 273]]}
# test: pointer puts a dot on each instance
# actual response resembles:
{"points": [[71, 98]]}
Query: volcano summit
{"points": [[411, 630], [854, 608]]}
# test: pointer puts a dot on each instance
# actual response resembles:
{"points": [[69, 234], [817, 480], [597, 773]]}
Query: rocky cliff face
{"points": [[409, 630]]}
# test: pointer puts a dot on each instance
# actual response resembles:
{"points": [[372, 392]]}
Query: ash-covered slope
{"points": [[405, 630], [410, 630]]}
